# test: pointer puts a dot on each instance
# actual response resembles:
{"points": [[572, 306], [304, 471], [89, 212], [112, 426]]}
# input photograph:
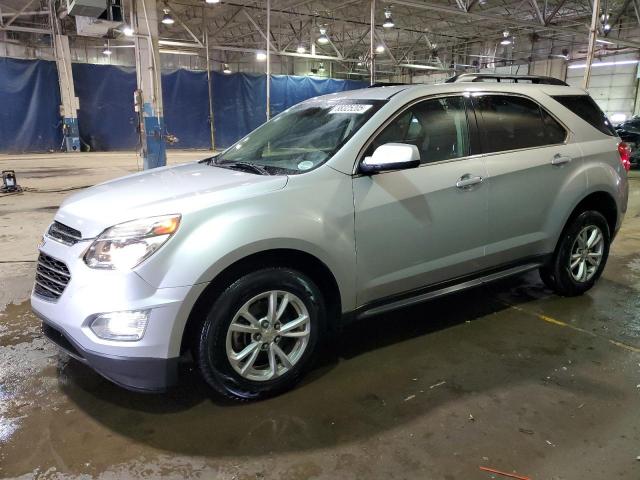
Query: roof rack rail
{"points": [[500, 78], [387, 84]]}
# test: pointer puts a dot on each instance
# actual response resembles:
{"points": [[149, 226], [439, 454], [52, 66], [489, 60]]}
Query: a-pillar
{"points": [[69, 102], [148, 96]]}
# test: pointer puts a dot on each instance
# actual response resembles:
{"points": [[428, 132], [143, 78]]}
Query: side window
{"points": [[586, 108], [437, 127], [510, 123], [554, 132]]}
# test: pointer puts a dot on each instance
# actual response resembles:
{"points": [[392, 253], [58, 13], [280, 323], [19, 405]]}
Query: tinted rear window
{"points": [[587, 109]]}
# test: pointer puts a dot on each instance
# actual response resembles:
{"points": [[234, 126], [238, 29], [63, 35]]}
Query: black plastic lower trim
{"points": [[447, 287], [140, 374]]}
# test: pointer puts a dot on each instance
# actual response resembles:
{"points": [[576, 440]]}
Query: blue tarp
{"points": [[239, 105], [106, 117], [29, 106], [288, 90], [186, 108], [29, 97]]}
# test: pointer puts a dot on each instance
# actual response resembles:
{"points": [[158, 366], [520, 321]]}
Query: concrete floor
{"points": [[506, 376]]}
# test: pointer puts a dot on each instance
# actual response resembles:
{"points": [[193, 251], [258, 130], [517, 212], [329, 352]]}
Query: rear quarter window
{"points": [[587, 109]]}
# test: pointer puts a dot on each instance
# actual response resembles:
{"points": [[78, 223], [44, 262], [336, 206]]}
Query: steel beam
{"points": [[504, 20], [20, 12]]}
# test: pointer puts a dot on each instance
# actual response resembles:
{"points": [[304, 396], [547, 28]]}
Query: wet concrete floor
{"points": [[508, 376]]}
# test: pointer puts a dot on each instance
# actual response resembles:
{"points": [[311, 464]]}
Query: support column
{"points": [[372, 37], [593, 35], [148, 96], [69, 102], [268, 60]]}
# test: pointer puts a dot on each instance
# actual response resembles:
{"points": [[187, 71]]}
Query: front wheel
{"points": [[261, 333], [580, 256]]}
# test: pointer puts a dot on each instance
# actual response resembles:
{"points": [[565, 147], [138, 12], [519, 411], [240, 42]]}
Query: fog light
{"points": [[128, 326]]}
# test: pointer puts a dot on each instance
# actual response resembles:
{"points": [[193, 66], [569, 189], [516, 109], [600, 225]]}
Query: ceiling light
{"points": [[301, 49], [167, 19], [127, 30], [212, 1], [106, 50], [261, 56], [323, 39], [604, 64], [225, 68], [380, 49], [388, 21]]}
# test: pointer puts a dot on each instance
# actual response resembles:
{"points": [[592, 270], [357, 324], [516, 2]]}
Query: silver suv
{"points": [[344, 206]]}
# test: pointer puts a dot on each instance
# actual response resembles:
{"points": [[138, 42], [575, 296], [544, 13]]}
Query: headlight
{"points": [[126, 245]]}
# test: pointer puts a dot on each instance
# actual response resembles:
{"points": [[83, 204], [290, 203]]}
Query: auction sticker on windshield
{"points": [[351, 108]]}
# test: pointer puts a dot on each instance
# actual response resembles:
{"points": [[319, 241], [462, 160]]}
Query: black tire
{"points": [[556, 275], [210, 349]]}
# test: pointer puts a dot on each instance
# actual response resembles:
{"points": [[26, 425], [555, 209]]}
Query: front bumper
{"points": [[133, 373], [148, 364]]}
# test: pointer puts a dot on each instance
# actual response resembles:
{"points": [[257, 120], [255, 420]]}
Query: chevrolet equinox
{"points": [[343, 206]]}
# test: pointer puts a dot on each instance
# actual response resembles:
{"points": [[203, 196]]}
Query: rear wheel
{"points": [[580, 256], [261, 334]]}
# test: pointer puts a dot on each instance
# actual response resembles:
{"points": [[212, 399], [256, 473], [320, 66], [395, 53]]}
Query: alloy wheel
{"points": [[268, 335], [586, 253]]}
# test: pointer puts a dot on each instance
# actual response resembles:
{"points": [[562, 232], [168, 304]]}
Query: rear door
{"points": [[531, 165], [415, 227]]}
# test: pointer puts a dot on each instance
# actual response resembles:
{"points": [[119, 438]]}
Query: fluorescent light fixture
{"points": [[167, 19], [607, 42], [323, 39], [261, 56], [388, 21], [212, 1], [604, 64], [178, 52], [226, 69], [505, 38], [301, 49], [380, 49], [127, 30]]}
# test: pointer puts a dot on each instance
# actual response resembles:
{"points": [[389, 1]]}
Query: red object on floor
{"points": [[511, 475]]}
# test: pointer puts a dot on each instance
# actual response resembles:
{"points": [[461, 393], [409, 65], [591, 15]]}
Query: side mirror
{"points": [[391, 156]]}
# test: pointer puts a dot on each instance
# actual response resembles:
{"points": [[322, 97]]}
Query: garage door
{"points": [[613, 87]]}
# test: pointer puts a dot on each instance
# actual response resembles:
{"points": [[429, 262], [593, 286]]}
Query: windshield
{"points": [[300, 138]]}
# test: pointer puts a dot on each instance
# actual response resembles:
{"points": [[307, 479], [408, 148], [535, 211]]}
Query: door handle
{"points": [[560, 159], [467, 180]]}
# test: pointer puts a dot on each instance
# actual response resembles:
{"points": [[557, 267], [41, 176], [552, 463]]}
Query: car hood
{"points": [[167, 190]]}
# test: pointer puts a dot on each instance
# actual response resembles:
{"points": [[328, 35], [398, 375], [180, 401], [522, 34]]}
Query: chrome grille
{"points": [[52, 277], [61, 232]]}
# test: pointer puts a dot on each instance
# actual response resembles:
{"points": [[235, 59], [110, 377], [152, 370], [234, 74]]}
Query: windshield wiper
{"points": [[247, 167]]}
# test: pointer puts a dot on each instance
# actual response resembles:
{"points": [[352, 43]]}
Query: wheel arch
{"points": [[299, 260], [600, 201]]}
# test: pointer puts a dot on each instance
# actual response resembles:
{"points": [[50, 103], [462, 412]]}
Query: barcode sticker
{"points": [[351, 108]]}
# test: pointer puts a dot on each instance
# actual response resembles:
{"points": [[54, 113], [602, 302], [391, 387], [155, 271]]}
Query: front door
{"points": [[424, 225]]}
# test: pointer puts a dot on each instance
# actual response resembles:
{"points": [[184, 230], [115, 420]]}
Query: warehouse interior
{"points": [[504, 380]]}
